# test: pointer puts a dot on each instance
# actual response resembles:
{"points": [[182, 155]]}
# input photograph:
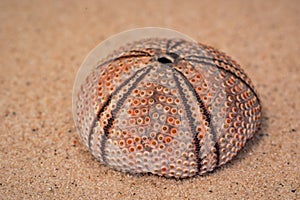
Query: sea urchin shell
{"points": [[167, 106]]}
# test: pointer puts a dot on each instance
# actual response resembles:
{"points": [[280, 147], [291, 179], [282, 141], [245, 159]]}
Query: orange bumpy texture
{"points": [[167, 106]]}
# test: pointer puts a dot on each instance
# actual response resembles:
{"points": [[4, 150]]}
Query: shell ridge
{"points": [[175, 45], [120, 101], [228, 71], [122, 56], [101, 110], [218, 60], [207, 118], [196, 140]]}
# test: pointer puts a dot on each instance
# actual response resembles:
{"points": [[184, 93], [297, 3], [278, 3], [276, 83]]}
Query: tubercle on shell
{"points": [[166, 106]]}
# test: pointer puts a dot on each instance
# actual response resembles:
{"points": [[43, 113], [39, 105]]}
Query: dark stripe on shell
{"points": [[139, 54], [228, 71], [118, 106], [205, 113], [101, 110]]}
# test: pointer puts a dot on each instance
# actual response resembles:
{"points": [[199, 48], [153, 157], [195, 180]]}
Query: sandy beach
{"points": [[43, 44]]}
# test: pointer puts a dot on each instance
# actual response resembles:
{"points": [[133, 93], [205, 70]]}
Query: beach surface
{"points": [[43, 44]]}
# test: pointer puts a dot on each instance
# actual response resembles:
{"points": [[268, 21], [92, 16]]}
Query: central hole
{"points": [[164, 60]]}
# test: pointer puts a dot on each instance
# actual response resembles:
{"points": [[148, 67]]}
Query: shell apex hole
{"points": [[164, 60]]}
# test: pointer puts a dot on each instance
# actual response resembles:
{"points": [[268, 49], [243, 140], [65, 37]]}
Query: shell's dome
{"points": [[153, 100]]}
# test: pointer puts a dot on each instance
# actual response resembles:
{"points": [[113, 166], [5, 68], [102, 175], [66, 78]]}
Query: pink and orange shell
{"points": [[166, 106]]}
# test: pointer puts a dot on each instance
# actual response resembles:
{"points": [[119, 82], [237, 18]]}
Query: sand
{"points": [[43, 44]]}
